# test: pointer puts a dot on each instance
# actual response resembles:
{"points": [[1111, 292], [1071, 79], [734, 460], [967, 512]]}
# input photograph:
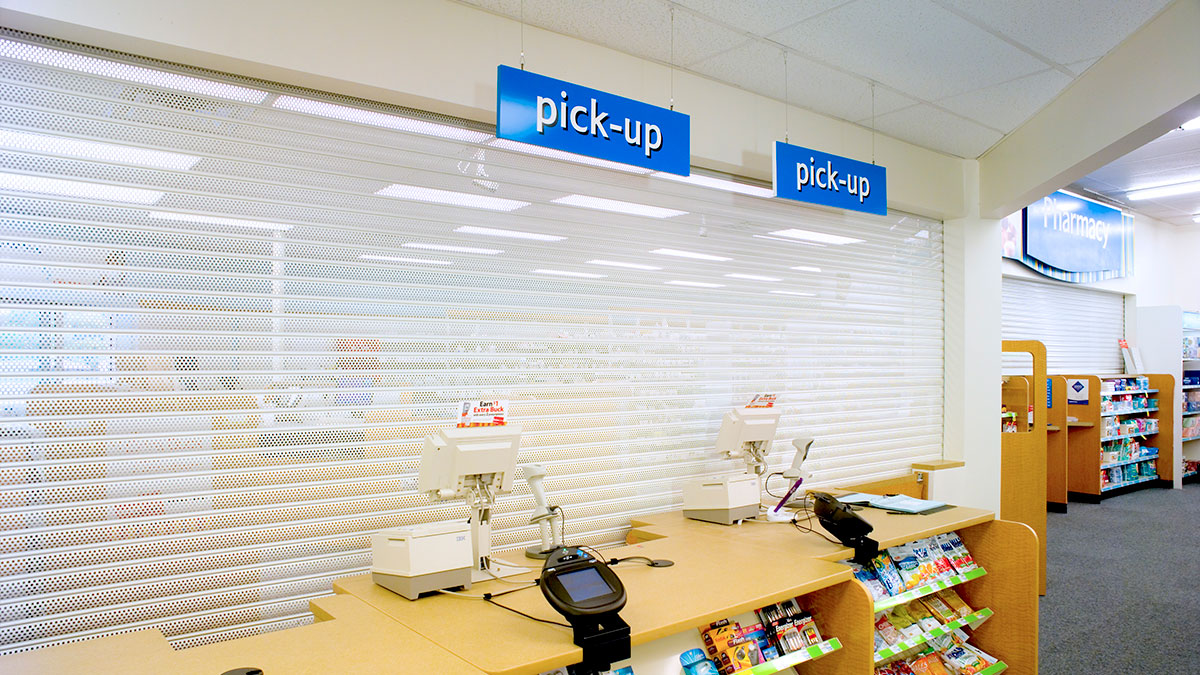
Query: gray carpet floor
{"points": [[1123, 585]]}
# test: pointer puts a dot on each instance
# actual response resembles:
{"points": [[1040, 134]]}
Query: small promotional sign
{"points": [[1075, 234], [807, 175], [551, 113], [1077, 392], [762, 401], [482, 413]]}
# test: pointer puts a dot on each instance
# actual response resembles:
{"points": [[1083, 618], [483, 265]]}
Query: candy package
{"points": [[956, 551], [907, 565], [886, 630], [941, 611], [924, 618], [929, 664], [904, 622], [942, 566], [950, 597], [868, 579], [886, 571], [964, 661], [921, 548]]}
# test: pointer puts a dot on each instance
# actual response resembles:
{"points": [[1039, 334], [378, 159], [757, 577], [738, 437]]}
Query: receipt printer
{"points": [[417, 559], [722, 499]]}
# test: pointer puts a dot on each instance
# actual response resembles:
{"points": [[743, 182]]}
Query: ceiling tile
{"points": [[760, 17], [929, 127], [755, 66], [913, 46], [1064, 31], [697, 39], [817, 87], [1005, 106], [1079, 67]]}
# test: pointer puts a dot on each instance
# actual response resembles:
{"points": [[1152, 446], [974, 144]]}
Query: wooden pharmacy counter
{"points": [[348, 637], [712, 579], [719, 572]]}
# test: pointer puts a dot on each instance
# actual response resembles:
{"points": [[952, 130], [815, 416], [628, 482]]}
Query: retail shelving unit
{"points": [[1162, 330], [1057, 431], [1124, 421]]}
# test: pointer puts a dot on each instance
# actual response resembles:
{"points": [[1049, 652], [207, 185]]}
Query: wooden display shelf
{"points": [[1024, 464], [1056, 445], [794, 659], [1009, 552], [975, 619], [1084, 444], [928, 589], [1081, 425]]}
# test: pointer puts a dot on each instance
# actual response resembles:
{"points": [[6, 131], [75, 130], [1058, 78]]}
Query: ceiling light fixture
{"points": [[800, 293], [616, 206], [517, 146], [213, 220], [129, 73], [452, 249], [72, 147], [752, 277], [689, 254], [1164, 191], [805, 268], [415, 261], [819, 237], [564, 273], [515, 234], [449, 198], [718, 184], [1191, 124], [632, 266], [378, 119], [74, 188], [1196, 218], [697, 284]]}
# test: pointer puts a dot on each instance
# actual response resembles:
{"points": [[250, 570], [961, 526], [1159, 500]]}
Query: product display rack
{"points": [[928, 589], [974, 620], [1169, 339], [1023, 455], [1088, 466], [794, 659]]}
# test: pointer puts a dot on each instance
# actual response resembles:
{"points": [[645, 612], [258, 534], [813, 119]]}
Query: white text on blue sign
{"points": [[815, 177]]}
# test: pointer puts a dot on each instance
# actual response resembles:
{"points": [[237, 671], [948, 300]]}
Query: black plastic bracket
{"points": [[604, 639]]}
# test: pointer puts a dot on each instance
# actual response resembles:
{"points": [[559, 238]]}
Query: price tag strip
{"points": [[788, 660]]}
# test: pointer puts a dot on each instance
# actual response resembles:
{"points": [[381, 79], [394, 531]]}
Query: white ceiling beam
{"points": [[1145, 87]]}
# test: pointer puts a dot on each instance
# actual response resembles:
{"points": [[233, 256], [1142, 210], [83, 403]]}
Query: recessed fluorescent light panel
{"points": [[514, 234], [1196, 219], [752, 277], [129, 73], [74, 188], [517, 146], [71, 147], [697, 284], [819, 237], [1190, 125], [452, 249], [718, 184], [631, 208], [689, 254], [212, 220], [800, 293], [450, 198], [626, 265], [805, 268], [564, 273], [415, 261], [1164, 191], [378, 119]]}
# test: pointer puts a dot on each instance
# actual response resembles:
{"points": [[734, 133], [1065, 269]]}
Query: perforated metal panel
{"points": [[231, 311], [1079, 326]]}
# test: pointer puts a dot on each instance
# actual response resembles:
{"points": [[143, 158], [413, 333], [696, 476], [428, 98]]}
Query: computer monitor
{"points": [[742, 426], [457, 461]]}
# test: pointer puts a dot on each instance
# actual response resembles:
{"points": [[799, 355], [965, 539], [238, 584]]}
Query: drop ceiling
{"points": [[950, 75]]}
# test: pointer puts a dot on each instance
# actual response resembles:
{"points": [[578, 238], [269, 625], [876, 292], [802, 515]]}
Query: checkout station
{"points": [[687, 587]]}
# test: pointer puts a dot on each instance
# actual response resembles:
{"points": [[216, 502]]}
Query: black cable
{"points": [[598, 554], [562, 526], [808, 529], [488, 598], [637, 558]]}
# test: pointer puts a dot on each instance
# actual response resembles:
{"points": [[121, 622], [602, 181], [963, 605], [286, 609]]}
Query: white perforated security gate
{"points": [[231, 311], [1079, 326]]}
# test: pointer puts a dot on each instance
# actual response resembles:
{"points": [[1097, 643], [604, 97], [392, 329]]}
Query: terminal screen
{"points": [[584, 584]]}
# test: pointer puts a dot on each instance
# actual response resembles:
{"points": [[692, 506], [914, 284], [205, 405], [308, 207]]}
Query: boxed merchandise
{"points": [[718, 638]]}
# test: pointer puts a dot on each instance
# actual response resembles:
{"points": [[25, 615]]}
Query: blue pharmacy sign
{"points": [[551, 113], [1074, 234], [806, 175]]}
